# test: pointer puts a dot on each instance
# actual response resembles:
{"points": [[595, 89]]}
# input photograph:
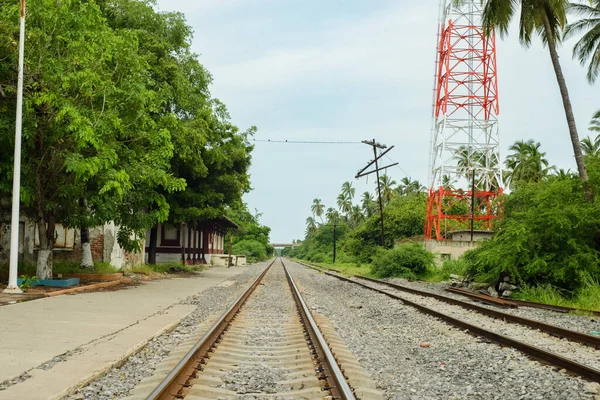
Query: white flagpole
{"points": [[14, 224]]}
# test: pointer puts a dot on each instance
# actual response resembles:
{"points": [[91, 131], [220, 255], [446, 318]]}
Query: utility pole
{"points": [[334, 238], [375, 161], [14, 223]]}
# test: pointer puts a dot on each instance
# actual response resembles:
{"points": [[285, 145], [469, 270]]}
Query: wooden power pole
{"points": [[362, 173]]}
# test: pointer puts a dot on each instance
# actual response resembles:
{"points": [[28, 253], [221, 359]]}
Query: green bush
{"points": [[403, 218], [548, 237], [409, 261], [254, 250]]}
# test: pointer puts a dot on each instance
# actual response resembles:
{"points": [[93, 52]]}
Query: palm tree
{"points": [[562, 175], [332, 215], [318, 208], [344, 203], [410, 186], [547, 18], [588, 47], [589, 147], [356, 216], [348, 191], [311, 225], [368, 204], [595, 123], [466, 161], [447, 182], [387, 188], [527, 163]]}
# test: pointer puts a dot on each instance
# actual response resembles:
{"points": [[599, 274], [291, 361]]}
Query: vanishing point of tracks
{"points": [[270, 332], [574, 351]]}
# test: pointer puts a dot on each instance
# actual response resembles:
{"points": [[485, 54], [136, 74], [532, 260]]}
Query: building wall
{"points": [[103, 241]]}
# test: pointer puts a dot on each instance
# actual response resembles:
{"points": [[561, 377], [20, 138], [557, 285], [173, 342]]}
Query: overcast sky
{"points": [[353, 70]]}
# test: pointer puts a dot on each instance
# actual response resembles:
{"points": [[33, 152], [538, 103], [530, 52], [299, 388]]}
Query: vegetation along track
{"points": [[267, 344], [533, 342]]}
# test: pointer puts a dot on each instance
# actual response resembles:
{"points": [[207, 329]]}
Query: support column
{"points": [[189, 244], [195, 247]]}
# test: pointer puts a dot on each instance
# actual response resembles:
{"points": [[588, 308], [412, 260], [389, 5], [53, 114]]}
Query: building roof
{"points": [[221, 223]]}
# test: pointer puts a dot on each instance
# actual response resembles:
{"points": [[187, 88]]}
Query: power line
{"points": [[302, 141]]}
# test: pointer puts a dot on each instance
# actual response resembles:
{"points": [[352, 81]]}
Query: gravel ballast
{"points": [[574, 322], [563, 347], [413, 356], [120, 381]]}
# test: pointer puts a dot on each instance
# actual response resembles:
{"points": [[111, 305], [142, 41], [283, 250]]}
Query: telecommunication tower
{"points": [[465, 179]]}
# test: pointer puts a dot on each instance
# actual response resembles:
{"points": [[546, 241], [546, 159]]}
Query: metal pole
{"points": [[230, 262], [334, 225], [14, 224], [379, 192], [472, 203]]}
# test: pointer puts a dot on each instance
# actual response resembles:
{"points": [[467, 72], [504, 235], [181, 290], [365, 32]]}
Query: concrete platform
{"points": [[103, 327]]}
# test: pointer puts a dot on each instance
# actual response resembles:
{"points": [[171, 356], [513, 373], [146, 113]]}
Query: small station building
{"points": [[195, 243]]}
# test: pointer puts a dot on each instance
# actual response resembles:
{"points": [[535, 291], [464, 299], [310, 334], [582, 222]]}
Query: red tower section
{"points": [[465, 138]]}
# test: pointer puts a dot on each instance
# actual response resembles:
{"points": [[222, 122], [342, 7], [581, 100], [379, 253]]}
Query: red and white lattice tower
{"points": [[465, 136]]}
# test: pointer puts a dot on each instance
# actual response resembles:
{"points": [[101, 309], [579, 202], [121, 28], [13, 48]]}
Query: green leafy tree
{"points": [[547, 19], [549, 235], [87, 135], [251, 238]]}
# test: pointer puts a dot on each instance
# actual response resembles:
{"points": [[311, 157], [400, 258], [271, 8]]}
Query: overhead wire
{"points": [[303, 141]]}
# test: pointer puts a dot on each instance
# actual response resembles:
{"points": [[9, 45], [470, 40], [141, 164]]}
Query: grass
{"points": [[346, 268], [586, 298], [147, 269], [457, 267]]}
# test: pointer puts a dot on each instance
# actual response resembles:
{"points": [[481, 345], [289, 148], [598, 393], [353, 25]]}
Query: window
{"points": [[170, 235]]}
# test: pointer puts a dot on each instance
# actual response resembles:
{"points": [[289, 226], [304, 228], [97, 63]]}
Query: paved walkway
{"points": [[104, 325]]}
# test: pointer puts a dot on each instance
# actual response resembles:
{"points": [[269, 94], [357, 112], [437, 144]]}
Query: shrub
{"points": [[253, 249], [409, 261], [549, 236]]}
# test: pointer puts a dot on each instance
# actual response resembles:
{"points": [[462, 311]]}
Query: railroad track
{"points": [[267, 345], [459, 314]]}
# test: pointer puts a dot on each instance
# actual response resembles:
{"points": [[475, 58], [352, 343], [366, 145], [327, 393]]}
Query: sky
{"points": [[350, 70]]}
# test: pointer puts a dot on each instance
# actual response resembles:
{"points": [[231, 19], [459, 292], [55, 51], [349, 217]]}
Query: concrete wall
{"points": [[447, 249], [220, 260], [465, 236]]}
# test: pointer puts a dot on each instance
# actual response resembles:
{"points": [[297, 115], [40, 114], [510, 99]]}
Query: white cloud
{"points": [[384, 48]]}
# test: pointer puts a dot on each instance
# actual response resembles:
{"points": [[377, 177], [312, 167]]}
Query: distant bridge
{"points": [[284, 245]]}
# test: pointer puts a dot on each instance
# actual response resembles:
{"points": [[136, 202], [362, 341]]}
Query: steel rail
{"points": [[554, 308], [588, 340], [170, 387], [336, 380], [536, 352]]}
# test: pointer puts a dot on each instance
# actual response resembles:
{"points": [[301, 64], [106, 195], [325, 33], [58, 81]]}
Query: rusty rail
{"points": [[336, 381], [171, 387], [536, 352], [176, 385]]}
